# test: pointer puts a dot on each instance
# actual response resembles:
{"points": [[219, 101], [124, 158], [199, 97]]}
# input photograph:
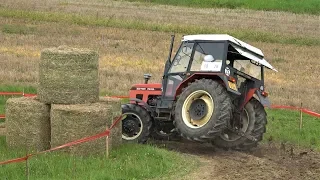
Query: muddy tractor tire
{"points": [[229, 139], [136, 124], [202, 110], [259, 126]]}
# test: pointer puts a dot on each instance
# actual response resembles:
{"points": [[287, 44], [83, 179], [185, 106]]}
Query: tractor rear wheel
{"points": [[245, 124], [202, 110], [259, 126], [136, 124]]}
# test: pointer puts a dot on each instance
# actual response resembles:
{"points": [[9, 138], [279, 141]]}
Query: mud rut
{"points": [[268, 161]]}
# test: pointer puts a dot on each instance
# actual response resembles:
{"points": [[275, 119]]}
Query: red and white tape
{"points": [[79, 141]]}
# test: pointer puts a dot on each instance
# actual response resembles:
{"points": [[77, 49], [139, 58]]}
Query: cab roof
{"points": [[226, 37]]}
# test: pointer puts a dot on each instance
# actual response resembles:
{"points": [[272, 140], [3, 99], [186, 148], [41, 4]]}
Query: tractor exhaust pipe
{"points": [[171, 48]]}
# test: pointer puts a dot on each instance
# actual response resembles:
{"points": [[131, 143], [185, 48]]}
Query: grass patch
{"points": [[10, 88], [163, 27], [283, 125], [15, 88], [17, 29], [295, 6], [130, 161]]}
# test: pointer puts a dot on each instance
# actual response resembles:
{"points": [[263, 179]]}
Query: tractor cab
{"points": [[236, 64], [206, 94]]}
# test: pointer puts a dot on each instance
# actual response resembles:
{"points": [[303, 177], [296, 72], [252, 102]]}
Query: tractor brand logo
{"points": [[141, 89], [147, 89], [227, 71]]}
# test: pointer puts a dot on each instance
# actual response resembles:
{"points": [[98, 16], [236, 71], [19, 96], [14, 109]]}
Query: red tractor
{"points": [[212, 91]]}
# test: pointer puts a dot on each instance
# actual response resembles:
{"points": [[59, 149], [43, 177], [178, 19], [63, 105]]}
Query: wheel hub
{"points": [[198, 109], [129, 125]]}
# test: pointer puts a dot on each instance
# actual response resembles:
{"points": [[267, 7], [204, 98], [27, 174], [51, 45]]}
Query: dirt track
{"points": [[265, 162]]}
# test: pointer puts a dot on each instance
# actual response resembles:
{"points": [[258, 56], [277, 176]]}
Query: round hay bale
{"points": [[28, 123], [72, 122], [68, 76]]}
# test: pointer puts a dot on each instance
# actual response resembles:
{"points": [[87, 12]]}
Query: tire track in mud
{"points": [[272, 161]]}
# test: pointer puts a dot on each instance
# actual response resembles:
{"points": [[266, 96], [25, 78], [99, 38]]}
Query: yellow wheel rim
{"points": [[207, 98]]}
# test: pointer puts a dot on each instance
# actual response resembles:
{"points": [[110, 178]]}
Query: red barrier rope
{"points": [[79, 141], [307, 111], [30, 95]]}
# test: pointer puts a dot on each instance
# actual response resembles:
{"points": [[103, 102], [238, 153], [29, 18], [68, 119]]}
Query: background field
{"points": [[296, 6]]}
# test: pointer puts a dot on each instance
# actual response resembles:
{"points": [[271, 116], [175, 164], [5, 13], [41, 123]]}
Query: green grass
{"points": [[17, 29], [130, 161], [295, 6], [162, 27], [15, 88], [283, 125], [10, 88]]}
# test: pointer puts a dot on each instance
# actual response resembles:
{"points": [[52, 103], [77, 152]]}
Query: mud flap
{"points": [[263, 100]]}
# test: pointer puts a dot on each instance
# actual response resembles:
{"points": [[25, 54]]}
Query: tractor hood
{"points": [[243, 48]]}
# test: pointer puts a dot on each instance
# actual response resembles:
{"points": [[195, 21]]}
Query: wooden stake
{"points": [[27, 163], [300, 127], [107, 147], [107, 144]]}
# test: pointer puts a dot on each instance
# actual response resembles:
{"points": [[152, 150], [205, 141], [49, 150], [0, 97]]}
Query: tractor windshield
{"points": [[181, 61]]}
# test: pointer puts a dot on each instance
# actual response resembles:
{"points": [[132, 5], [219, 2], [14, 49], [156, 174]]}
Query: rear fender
{"points": [[143, 104], [263, 100], [220, 77]]}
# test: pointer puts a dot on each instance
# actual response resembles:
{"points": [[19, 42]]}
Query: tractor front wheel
{"points": [[202, 110], [136, 124], [259, 126], [244, 123]]}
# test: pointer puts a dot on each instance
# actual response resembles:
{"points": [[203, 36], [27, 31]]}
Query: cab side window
{"points": [[216, 50]]}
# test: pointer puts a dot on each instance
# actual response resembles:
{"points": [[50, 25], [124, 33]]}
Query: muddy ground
{"points": [[268, 161]]}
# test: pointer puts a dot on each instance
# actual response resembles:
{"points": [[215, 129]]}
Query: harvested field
{"points": [[72, 122], [68, 76], [28, 124]]}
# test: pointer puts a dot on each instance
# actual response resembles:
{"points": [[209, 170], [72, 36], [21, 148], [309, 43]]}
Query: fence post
{"points": [[27, 163], [300, 127], [107, 143]]}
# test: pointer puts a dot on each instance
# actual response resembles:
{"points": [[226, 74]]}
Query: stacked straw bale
{"points": [[72, 122], [28, 123], [68, 76], [69, 107]]}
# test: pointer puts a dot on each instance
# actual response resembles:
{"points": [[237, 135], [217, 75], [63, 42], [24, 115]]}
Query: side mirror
{"points": [[208, 58]]}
